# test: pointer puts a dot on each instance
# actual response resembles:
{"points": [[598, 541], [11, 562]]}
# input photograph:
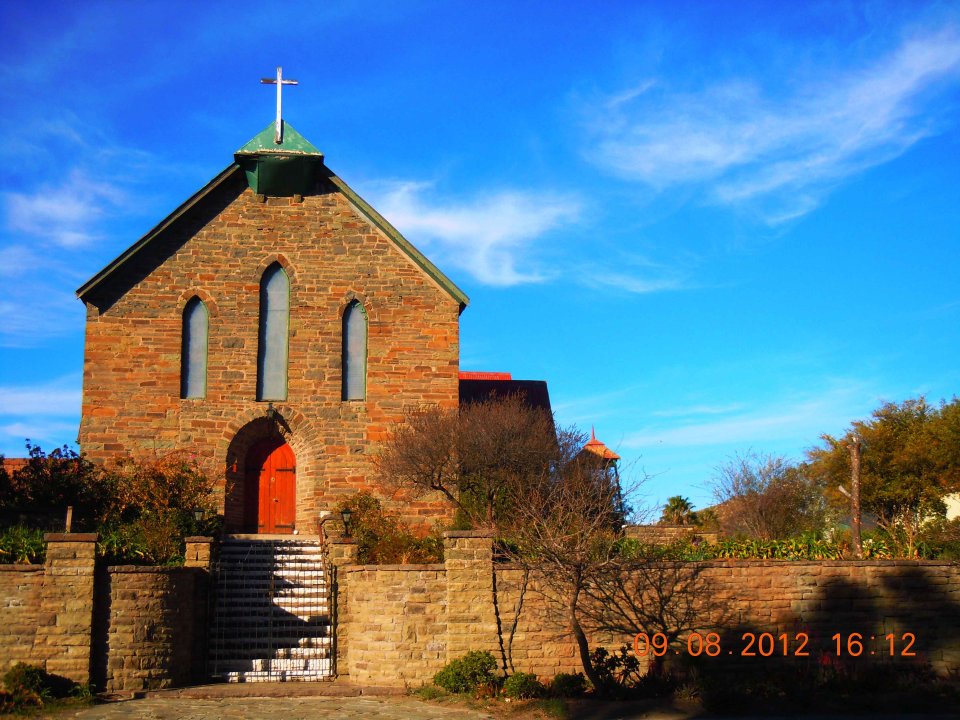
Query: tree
{"points": [[910, 461], [766, 497], [557, 511], [475, 456], [565, 524], [678, 511], [480, 457]]}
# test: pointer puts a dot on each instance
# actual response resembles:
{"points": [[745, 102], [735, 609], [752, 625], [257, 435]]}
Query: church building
{"points": [[275, 326]]}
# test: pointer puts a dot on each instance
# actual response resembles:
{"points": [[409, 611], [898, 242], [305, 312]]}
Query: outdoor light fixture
{"points": [[271, 411], [198, 515], [345, 515]]}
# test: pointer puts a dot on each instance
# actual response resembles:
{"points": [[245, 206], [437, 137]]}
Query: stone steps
{"points": [[272, 617]]}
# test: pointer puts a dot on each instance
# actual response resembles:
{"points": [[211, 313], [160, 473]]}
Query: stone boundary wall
{"points": [[666, 534], [132, 628], [398, 630], [119, 628], [20, 588], [150, 628], [394, 624]]}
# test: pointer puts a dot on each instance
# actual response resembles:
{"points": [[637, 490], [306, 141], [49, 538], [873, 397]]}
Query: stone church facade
{"points": [[229, 329]]}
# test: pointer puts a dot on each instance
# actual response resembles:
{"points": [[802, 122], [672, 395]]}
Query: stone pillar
{"points": [[198, 552], [198, 556], [471, 621], [343, 551], [65, 628]]}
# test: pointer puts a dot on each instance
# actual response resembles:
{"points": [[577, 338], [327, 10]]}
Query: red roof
{"points": [[467, 375], [11, 464], [598, 448]]}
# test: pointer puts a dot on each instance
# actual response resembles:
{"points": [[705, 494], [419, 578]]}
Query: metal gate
{"points": [[272, 613]]}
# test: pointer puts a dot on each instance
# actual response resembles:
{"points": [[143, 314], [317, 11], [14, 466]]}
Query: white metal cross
{"points": [[279, 82]]}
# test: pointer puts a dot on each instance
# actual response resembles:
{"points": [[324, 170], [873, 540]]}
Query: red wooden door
{"points": [[277, 490]]}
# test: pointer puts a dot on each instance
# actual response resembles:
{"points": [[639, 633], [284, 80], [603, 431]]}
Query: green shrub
{"points": [[21, 545], [32, 686], [156, 496], [473, 672], [523, 686], [619, 669], [382, 540], [122, 544], [553, 707], [40, 491], [429, 692], [568, 685]]}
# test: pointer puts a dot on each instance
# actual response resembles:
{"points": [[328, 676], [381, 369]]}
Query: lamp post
{"points": [[346, 515]]}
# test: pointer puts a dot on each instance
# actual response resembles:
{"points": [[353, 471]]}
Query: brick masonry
{"points": [[218, 251]]}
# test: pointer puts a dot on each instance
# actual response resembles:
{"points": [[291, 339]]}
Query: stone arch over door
{"points": [[246, 447]]}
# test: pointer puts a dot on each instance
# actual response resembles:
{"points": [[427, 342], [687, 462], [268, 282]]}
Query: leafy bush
{"points": [[152, 508], [22, 545], [29, 685], [523, 686], [472, 673], [568, 685], [382, 540], [805, 547], [429, 692], [941, 539], [39, 492], [620, 669]]}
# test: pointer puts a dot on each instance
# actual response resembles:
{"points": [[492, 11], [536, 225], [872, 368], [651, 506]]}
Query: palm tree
{"points": [[678, 511]]}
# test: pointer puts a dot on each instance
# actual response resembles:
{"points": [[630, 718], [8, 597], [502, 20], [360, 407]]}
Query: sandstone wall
{"points": [[404, 622], [65, 622], [396, 624], [218, 251], [20, 587], [151, 628]]}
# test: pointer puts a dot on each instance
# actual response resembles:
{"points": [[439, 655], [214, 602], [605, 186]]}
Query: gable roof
{"points": [[232, 172]]}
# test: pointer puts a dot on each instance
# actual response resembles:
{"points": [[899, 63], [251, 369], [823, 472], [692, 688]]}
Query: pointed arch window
{"points": [[354, 352], [193, 349], [273, 347]]}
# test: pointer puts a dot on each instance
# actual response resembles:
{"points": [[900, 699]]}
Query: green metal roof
{"points": [[293, 142]]}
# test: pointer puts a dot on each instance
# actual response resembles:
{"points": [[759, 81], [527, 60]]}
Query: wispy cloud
{"points": [[36, 313], [796, 419], [695, 410], [56, 398], [42, 412], [56, 221], [64, 214], [779, 153], [631, 283], [491, 237]]}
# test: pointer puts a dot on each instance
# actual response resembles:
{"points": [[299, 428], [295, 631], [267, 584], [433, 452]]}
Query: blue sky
{"points": [[710, 227]]}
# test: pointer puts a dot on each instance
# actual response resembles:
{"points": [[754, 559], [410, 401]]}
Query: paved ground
{"points": [[301, 708], [341, 701]]}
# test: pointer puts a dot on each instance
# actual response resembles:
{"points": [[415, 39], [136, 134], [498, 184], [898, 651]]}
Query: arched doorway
{"points": [[271, 492]]}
